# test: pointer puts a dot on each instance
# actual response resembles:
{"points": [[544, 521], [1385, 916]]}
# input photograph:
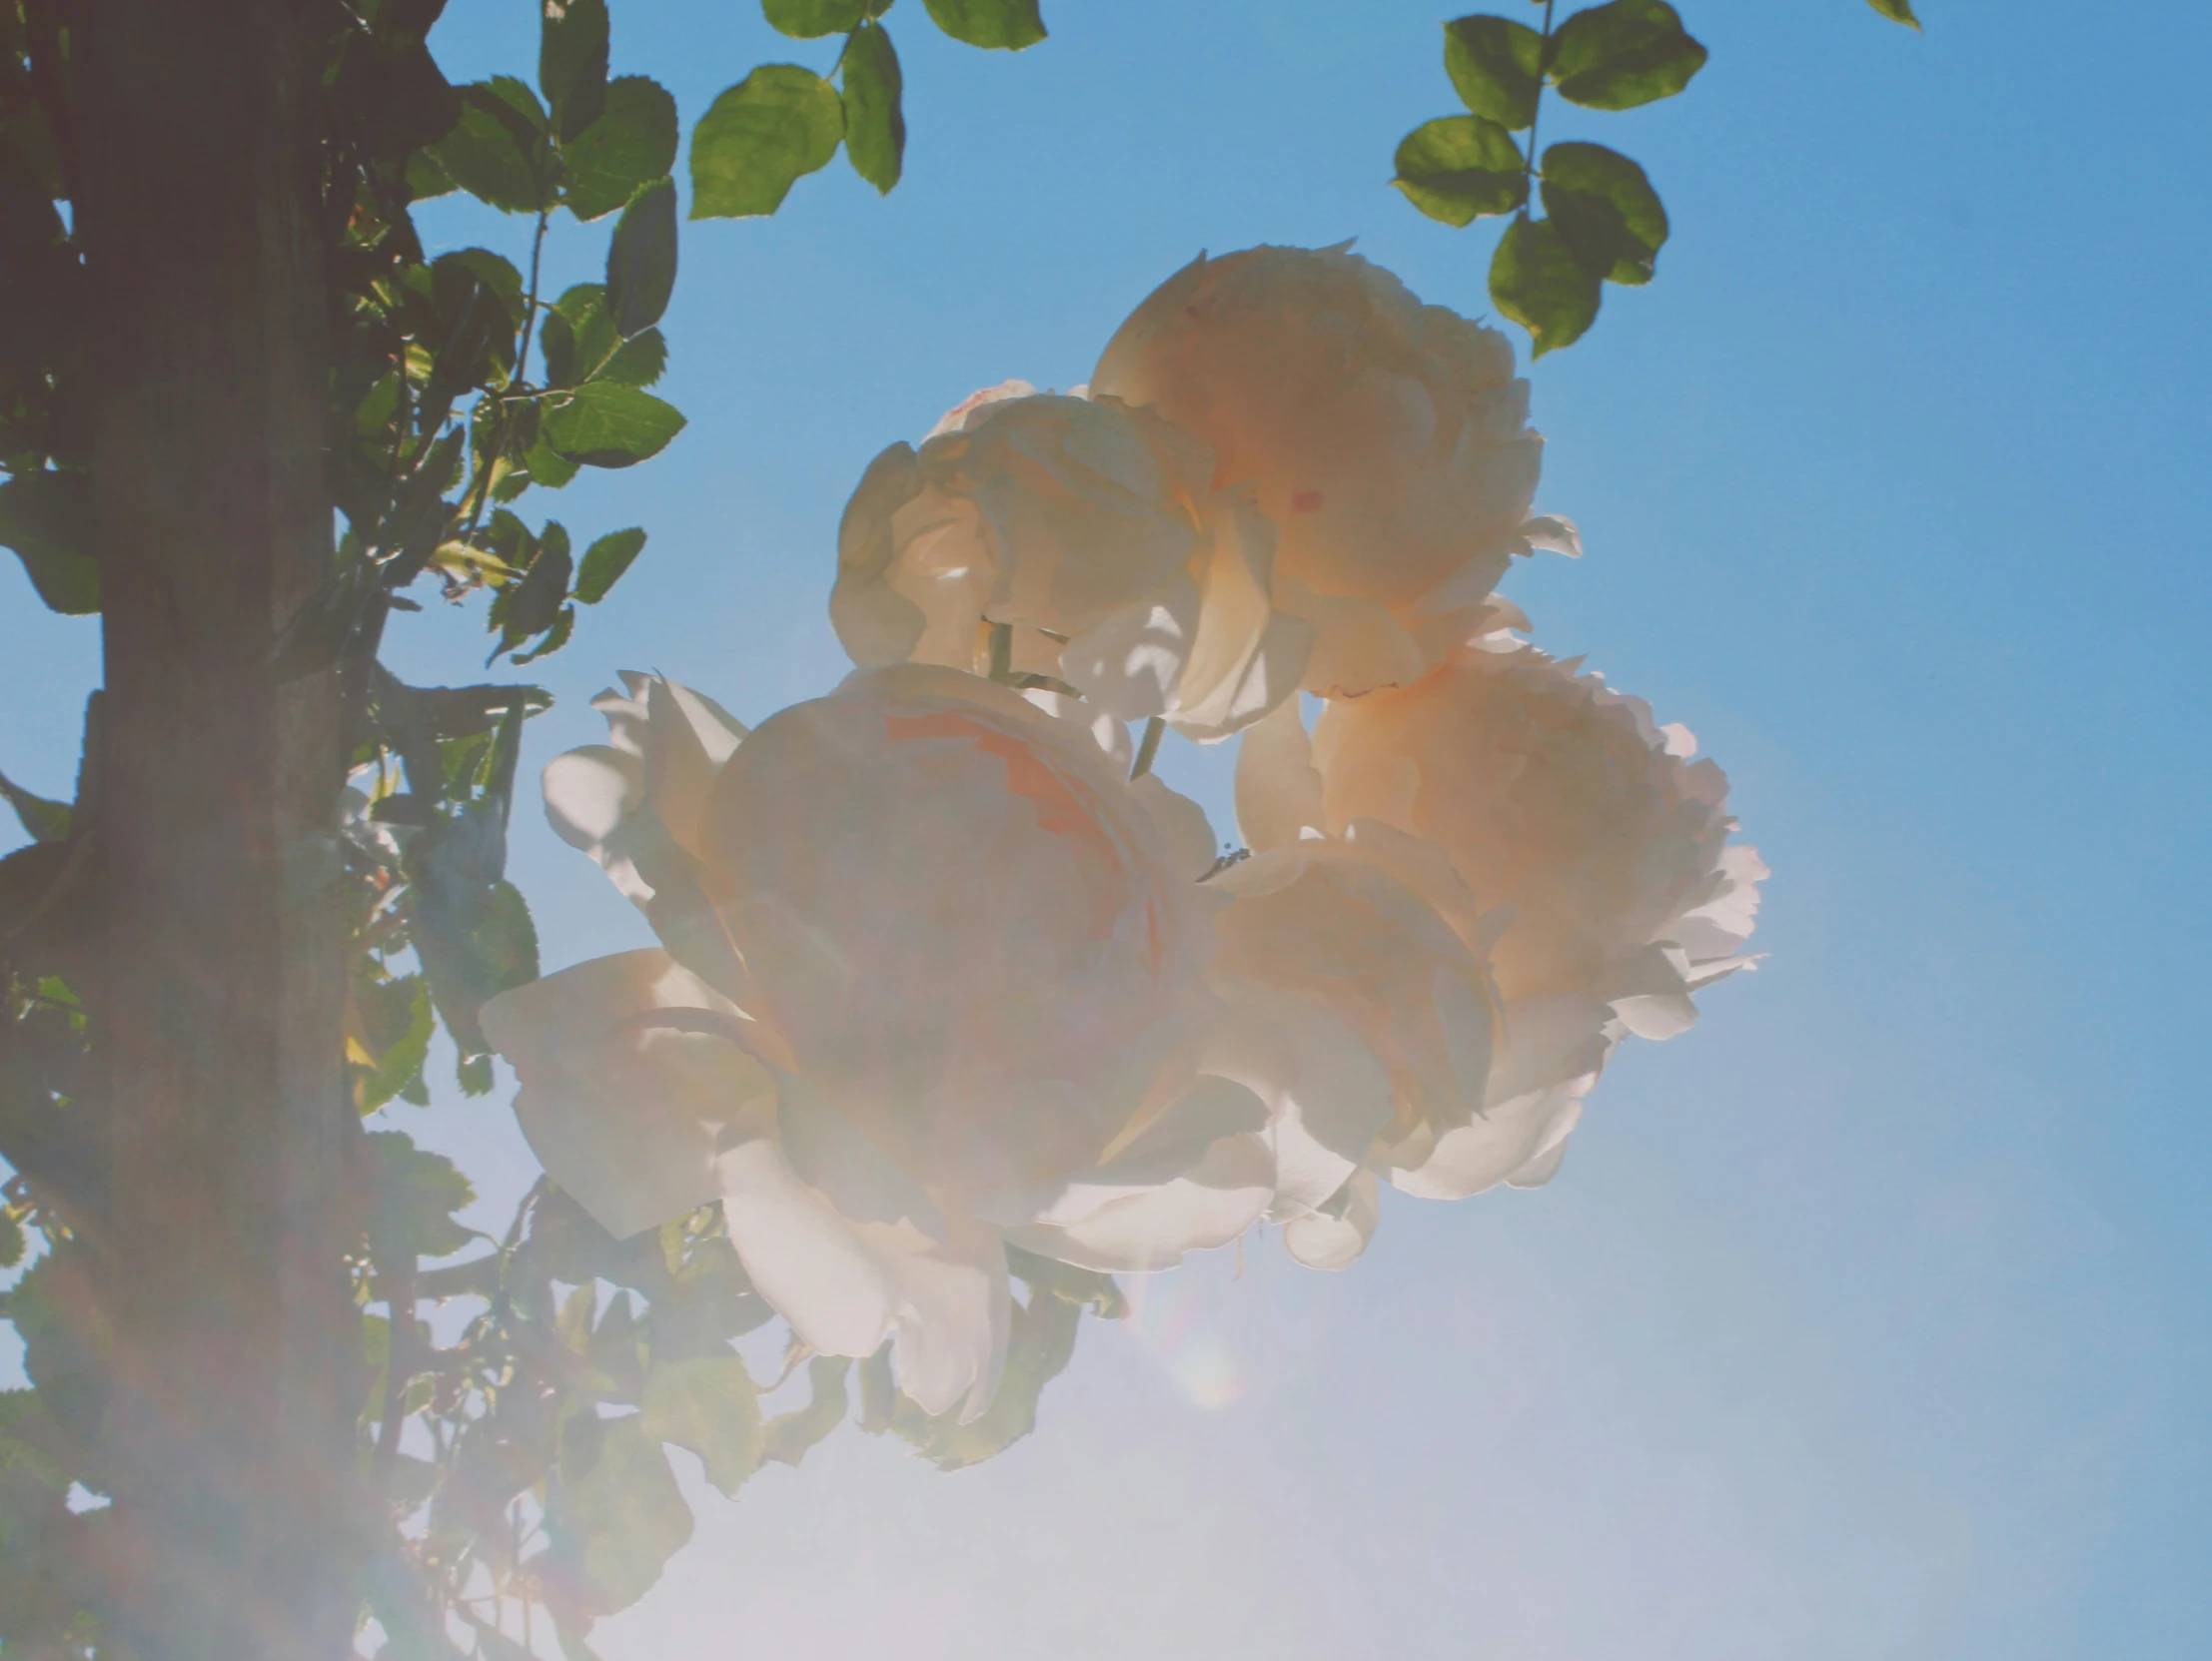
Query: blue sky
{"points": [[1872, 1317]]}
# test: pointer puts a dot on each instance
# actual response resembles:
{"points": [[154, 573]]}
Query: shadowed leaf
{"points": [[1535, 280], [1496, 67], [642, 259], [1617, 56], [1606, 208], [875, 125], [1460, 167]]}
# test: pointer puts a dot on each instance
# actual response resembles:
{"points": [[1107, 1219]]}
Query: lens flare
{"points": [[1170, 1319]]}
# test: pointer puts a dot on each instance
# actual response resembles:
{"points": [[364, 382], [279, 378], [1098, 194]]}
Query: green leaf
{"points": [[812, 19], [46, 821], [577, 335], [642, 259], [1007, 24], [1460, 167], [413, 1194], [533, 606], [1616, 56], [1606, 208], [46, 517], [604, 562], [565, 624], [711, 1405], [1898, 11], [638, 360], [495, 151], [396, 1024], [1497, 65], [615, 1528], [1535, 280], [777, 124], [604, 425], [787, 1437], [875, 127], [633, 141], [571, 62]]}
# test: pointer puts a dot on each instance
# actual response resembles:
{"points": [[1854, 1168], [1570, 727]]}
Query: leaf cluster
{"points": [[1601, 220], [456, 387], [550, 1417]]}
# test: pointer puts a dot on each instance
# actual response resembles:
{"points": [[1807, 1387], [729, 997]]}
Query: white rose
{"points": [[1387, 439], [932, 981], [1094, 532]]}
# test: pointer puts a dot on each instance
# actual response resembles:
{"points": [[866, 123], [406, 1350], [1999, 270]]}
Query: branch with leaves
{"points": [[1602, 221]]}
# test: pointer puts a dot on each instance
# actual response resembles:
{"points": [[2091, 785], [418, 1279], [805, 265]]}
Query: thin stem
{"points": [[1150, 748], [1536, 109], [397, 1369], [530, 311]]}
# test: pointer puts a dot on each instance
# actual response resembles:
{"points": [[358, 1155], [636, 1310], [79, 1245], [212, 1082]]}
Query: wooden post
{"points": [[197, 193]]}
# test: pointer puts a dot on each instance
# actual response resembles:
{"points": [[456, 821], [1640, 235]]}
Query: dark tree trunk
{"points": [[197, 197]]}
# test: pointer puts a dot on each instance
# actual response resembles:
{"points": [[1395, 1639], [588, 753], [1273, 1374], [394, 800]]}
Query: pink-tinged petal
{"points": [[631, 1079], [1334, 1237]]}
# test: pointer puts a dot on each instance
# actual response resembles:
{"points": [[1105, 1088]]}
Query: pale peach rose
{"points": [[1369, 1018], [1386, 947], [1597, 846], [1387, 439], [932, 981], [1095, 532]]}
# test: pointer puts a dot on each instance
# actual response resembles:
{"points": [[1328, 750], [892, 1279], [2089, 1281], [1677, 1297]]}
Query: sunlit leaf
{"points": [[812, 19], [1898, 11], [787, 1437], [1006, 24], [1496, 66], [709, 1405], [1616, 56], [633, 140], [1460, 167], [759, 138], [637, 361], [1535, 280], [608, 425], [615, 1528]]}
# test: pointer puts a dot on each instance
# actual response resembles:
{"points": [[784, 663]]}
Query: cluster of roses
{"points": [[944, 967]]}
